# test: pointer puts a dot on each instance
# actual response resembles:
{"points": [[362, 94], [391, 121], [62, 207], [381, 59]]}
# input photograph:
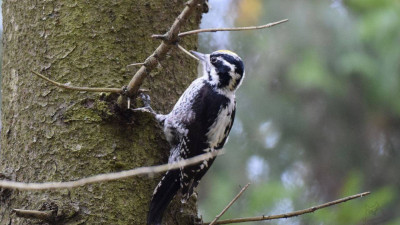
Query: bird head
{"points": [[224, 69]]}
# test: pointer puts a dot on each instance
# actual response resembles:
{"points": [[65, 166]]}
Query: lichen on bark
{"points": [[50, 134]]}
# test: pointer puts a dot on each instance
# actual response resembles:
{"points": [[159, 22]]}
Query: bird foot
{"points": [[146, 102], [145, 109]]}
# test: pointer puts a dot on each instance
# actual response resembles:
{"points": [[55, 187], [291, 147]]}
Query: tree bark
{"points": [[50, 134]]}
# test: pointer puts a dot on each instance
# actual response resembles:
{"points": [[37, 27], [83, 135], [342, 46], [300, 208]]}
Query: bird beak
{"points": [[204, 59], [199, 56]]}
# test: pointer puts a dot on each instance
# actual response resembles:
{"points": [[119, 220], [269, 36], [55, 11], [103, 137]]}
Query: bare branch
{"points": [[291, 214], [150, 170], [229, 29], [65, 86], [159, 54], [159, 36], [168, 40], [230, 204], [136, 64], [34, 214], [186, 52]]}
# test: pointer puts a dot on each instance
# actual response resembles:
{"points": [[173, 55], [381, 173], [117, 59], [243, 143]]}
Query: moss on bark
{"points": [[51, 134]]}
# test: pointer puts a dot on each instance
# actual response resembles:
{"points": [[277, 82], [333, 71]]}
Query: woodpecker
{"points": [[200, 122]]}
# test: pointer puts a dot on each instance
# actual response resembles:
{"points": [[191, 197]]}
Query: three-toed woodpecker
{"points": [[200, 122]]}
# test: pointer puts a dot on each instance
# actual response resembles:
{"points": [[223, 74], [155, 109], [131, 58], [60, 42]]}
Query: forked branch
{"points": [[291, 214], [169, 40], [230, 204]]}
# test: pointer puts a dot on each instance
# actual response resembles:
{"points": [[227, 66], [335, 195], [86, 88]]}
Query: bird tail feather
{"points": [[163, 194]]}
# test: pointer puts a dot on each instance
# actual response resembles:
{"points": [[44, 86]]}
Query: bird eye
{"points": [[213, 59]]}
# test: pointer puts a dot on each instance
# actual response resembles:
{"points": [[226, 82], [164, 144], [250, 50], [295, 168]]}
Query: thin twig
{"points": [[159, 36], [230, 204], [291, 214], [150, 170], [186, 52], [34, 214], [159, 54], [232, 29], [65, 86], [136, 64]]}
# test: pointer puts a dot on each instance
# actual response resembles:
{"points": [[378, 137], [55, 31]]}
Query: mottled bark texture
{"points": [[50, 134]]}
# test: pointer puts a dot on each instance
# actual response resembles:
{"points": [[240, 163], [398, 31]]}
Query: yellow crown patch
{"points": [[226, 51]]}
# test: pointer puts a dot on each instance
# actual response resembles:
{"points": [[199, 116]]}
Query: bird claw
{"points": [[146, 102], [145, 109]]}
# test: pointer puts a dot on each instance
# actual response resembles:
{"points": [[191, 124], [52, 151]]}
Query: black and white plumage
{"points": [[199, 122]]}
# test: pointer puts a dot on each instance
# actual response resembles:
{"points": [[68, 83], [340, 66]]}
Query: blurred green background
{"points": [[318, 113]]}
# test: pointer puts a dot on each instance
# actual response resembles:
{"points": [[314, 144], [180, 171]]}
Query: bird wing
{"points": [[227, 129], [206, 105]]}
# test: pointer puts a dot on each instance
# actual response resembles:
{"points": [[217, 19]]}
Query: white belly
{"points": [[216, 133]]}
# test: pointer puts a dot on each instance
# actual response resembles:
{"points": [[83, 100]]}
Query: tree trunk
{"points": [[50, 134]]}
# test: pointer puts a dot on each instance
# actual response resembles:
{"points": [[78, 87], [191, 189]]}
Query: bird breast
{"points": [[218, 130]]}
